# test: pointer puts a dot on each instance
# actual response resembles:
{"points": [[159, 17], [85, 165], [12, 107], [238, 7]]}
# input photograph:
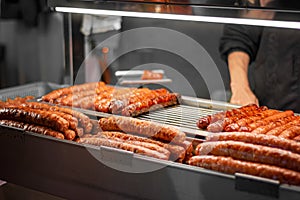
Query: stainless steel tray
{"points": [[76, 171], [73, 171], [184, 116]]}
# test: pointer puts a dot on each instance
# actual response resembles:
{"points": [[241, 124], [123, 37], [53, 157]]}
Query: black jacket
{"points": [[275, 54]]}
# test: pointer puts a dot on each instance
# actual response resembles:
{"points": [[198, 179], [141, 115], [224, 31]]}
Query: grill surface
{"points": [[182, 116]]}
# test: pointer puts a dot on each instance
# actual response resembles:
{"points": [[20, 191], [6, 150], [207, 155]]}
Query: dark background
{"points": [[35, 52]]}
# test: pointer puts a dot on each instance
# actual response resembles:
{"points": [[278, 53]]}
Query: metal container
{"points": [[76, 171]]}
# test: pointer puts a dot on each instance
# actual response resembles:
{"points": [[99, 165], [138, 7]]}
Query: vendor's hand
{"points": [[242, 95]]}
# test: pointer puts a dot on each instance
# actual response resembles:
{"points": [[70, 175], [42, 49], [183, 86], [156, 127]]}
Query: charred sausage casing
{"points": [[32, 128], [142, 127], [252, 153], [125, 146], [39, 117], [203, 122], [177, 152], [260, 139], [231, 166]]}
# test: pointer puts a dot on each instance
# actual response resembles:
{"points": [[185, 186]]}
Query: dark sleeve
{"points": [[240, 38]]}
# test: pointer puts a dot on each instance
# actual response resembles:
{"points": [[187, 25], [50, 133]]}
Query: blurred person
{"points": [[96, 29], [273, 54]]}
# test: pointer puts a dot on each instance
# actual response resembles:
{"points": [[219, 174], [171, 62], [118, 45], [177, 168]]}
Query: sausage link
{"points": [[89, 102], [297, 138], [12, 123], [231, 166], [276, 131], [70, 134], [203, 122], [102, 105], [44, 130], [242, 124], [251, 152], [35, 116], [260, 139], [123, 145], [73, 122], [84, 102], [189, 150], [32, 128], [220, 125], [19, 100], [34, 105], [147, 105], [77, 117], [272, 125], [88, 135], [69, 99], [291, 132], [142, 127], [39, 117], [84, 121], [177, 152], [147, 145], [119, 102], [52, 96], [269, 119]]}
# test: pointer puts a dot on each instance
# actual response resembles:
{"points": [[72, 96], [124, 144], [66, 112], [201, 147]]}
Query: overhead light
{"points": [[224, 20]]}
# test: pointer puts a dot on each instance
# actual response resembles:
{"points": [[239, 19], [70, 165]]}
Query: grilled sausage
{"points": [[231, 166], [12, 123], [291, 132], [141, 127], [260, 139], [147, 105], [19, 100], [269, 119], [251, 152], [242, 124], [270, 126], [102, 105], [177, 152], [73, 97], [276, 131], [89, 102], [220, 125], [124, 146], [39, 117], [36, 116], [106, 101], [203, 122], [84, 121], [45, 131], [33, 128], [73, 116], [52, 96], [297, 138], [73, 122], [119, 102], [148, 145]]}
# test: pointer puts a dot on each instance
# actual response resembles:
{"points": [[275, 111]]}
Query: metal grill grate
{"points": [[182, 116]]}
